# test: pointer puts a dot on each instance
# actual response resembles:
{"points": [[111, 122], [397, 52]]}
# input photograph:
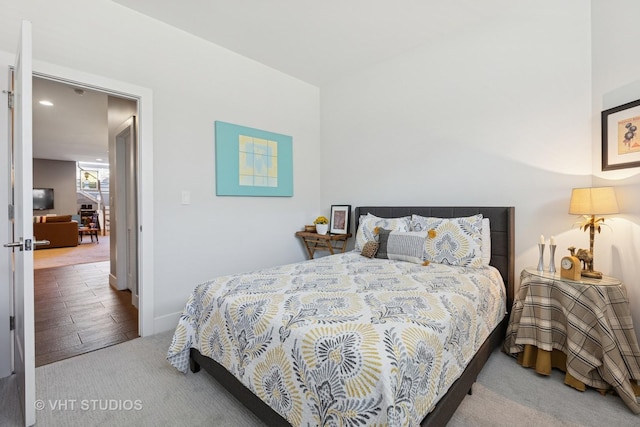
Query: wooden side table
{"points": [[323, 242], [91, 231], [582, 327]]}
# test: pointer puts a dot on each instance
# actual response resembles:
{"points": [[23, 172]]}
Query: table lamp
{"points": [[591, 202]]}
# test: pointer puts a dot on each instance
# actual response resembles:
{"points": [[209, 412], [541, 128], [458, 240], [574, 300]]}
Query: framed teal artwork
{"points": [[252, 162]]}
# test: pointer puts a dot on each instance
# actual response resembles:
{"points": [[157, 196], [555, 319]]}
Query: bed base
{"points": [[236, 388], [502, 257]]}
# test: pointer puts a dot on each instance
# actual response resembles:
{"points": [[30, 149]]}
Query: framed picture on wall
{"points": [[620, 137], [89, 180], [340, 219], [252, 162]]}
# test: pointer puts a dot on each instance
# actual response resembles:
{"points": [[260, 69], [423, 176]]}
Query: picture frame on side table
{"points": [[340, 219], [621, 137]]}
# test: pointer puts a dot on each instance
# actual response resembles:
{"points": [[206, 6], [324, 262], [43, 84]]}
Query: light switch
{"points": [[186, 197]]}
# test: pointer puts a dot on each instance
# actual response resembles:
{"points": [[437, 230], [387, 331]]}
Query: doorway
{"points": [[77, 308], [144, 233]]}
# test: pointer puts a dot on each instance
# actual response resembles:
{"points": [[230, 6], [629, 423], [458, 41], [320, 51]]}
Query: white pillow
{"points": [[369, 222], [485, 246]]}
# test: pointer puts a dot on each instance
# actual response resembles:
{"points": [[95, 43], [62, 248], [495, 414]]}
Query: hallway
{"points": [[76, 311]]}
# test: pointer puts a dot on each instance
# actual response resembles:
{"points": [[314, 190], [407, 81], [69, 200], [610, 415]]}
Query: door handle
{"points": [[13, 245], [21, 244]]}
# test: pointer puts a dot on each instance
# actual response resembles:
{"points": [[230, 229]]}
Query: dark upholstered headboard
{"points": [[501, 218]]}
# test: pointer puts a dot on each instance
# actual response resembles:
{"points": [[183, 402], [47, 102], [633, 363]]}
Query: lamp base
{"points": [[591, 274]]}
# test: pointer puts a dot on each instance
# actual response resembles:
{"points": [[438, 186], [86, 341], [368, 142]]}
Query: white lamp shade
{"points": [[593, 201]]}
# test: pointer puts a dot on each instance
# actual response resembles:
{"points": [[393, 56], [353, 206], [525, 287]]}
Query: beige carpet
{"points": [[485, 408], [85, 252], [132, 384]]}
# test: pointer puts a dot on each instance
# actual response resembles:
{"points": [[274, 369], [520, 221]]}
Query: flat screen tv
{"points": [[42, 199]]}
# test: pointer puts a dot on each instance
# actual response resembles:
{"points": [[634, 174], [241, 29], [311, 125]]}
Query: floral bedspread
{"points": [[344, 340]]}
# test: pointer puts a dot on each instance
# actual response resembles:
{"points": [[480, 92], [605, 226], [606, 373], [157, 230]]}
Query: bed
{"points": [[343, 339]]}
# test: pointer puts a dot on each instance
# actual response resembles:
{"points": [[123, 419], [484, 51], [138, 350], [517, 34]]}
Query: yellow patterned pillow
{"points": [[457, 241]]}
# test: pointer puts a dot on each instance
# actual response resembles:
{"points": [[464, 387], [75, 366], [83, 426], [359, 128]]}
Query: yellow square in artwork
{"points": [[273, 148], [245, 144], [246, 180], [273, 168]]}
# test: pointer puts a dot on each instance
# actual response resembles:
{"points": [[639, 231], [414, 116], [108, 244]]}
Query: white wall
{"points": [[616, 80], [493, 115], [194, 83]]}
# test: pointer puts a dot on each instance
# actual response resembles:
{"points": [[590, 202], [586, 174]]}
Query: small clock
{"points": [[570, 268]]}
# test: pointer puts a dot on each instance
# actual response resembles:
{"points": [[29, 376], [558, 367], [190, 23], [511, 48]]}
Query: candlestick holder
{"points": [[552, 263], [541, 260]]}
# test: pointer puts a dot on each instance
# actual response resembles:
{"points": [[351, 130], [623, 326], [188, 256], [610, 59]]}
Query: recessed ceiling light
{"points": [[47, 103]]}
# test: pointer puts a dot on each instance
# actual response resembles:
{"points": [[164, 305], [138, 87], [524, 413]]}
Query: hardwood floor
{"points": [[76, 311]]}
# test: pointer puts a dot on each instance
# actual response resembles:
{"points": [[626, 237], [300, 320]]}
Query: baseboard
{"points": [[167, 322], [113, 281]]}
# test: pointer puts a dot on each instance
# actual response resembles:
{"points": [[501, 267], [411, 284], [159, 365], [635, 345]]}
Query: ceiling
{"points": [[314, 41], [74, 128], [318, 41]]}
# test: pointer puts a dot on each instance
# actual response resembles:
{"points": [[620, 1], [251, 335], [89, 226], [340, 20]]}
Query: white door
{"points": [[126, 209], [22, 244]]}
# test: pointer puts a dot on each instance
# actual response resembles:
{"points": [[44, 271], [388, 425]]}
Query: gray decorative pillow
{"points": [[383, 238], [370, 249], [407, 246]]}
